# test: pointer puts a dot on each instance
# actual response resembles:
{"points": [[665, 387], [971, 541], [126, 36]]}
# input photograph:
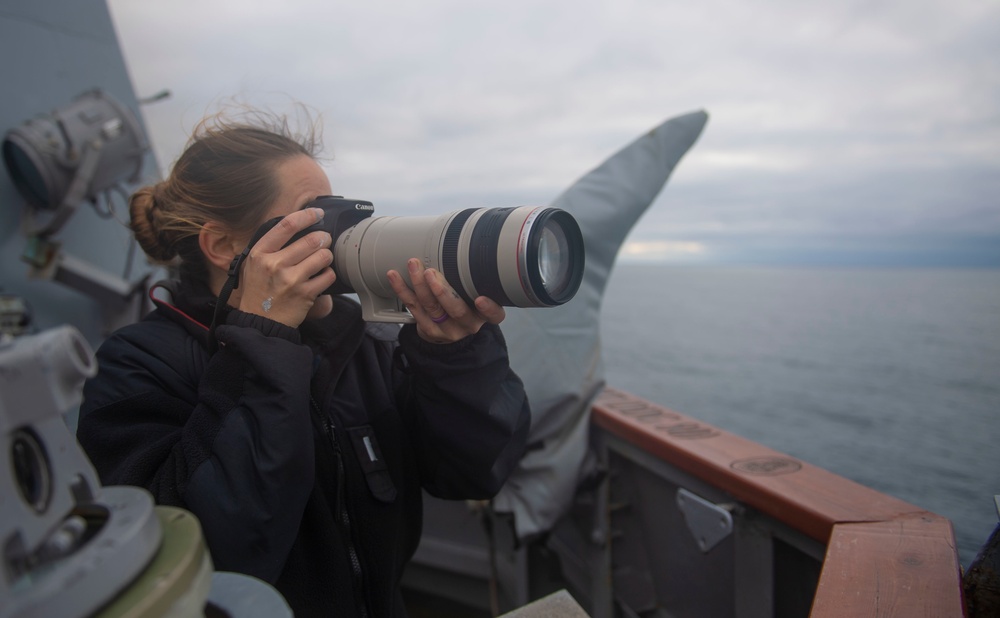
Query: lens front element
{"points": [[519, 257], [554, 262]]}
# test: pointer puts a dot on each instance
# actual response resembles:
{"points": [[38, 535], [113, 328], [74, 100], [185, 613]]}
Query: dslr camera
{"points": [[519, 256]]}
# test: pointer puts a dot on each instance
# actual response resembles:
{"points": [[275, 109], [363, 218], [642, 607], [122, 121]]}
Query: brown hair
{"points": [[225, 174]]}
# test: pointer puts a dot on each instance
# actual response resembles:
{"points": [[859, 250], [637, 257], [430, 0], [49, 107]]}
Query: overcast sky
{"points": [[839, 132]]}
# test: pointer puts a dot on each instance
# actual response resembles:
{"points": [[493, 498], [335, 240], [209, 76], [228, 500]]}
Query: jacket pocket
{"points": [[369, 455]]}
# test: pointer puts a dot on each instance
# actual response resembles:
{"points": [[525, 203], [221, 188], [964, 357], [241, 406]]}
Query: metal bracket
{"points": [[709, 523]]}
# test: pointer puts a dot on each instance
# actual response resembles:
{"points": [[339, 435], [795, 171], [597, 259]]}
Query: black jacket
{"points": [[303, 452]]}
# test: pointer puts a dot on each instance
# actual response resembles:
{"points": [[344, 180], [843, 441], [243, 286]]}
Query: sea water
{"points": [[890, 378]]}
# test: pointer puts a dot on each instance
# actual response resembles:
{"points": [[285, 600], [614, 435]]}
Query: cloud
{"points": [[662, 250], [846, 119]]}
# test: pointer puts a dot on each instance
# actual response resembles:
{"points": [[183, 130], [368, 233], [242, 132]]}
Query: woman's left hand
{"points": [[441, 314]]}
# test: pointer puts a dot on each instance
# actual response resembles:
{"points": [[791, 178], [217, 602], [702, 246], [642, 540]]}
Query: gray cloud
{"points": [[862, 124]]}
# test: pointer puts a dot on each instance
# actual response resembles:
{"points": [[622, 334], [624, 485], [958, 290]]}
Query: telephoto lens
{"points": [[519, 256]]}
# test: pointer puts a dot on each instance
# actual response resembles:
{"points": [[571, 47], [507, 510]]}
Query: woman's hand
{"points": [[442, 316], [283, 283]]}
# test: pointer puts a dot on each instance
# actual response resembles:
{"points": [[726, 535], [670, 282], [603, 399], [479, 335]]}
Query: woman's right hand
{"points": [[283, 283]]}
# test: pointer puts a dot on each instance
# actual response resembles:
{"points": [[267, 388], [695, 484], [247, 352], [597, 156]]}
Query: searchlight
{"points": [[77, 153]]}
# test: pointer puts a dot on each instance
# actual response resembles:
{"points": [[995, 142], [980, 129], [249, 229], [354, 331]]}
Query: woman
{"points": [[302, 443]]}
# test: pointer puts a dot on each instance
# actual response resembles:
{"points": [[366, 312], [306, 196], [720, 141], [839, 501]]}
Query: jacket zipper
{"points": [[340, 508]]}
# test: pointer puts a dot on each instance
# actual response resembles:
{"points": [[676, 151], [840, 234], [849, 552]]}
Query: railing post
{"points": [[754, 569]]}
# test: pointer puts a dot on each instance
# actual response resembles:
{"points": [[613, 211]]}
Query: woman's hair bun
{"points": [[147, 223]]}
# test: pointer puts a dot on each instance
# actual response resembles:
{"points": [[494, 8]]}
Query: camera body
{"points": [[521, 256], [339, 215]]}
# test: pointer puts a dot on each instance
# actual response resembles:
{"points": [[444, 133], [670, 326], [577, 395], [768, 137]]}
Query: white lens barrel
{"points": [[495, 252], [513, 266]]}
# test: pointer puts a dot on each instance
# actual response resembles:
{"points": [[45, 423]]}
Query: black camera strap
{"points": [[232, 282]]}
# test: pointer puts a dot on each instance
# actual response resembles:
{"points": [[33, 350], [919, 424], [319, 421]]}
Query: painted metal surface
{"points": [[54, 51]]}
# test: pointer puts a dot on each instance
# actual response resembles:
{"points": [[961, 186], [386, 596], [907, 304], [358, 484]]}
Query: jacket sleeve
{"points": [[228, 437], [468, 409]]}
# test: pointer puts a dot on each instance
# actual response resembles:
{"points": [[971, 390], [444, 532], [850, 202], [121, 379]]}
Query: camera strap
{"points": [[232, 282]]}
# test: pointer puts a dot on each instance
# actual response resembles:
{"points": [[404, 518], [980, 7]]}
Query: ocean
{"points": [[890, 378]]}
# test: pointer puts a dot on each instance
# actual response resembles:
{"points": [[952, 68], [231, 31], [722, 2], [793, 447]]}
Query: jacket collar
{"points": [[188, 305]]}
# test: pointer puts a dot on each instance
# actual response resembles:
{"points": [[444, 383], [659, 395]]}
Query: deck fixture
{"points": [[708, 522], [73, 154], [79, 152]]}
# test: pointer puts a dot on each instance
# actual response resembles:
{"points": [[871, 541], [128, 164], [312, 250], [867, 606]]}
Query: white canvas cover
{"points": [[557, 352]]}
